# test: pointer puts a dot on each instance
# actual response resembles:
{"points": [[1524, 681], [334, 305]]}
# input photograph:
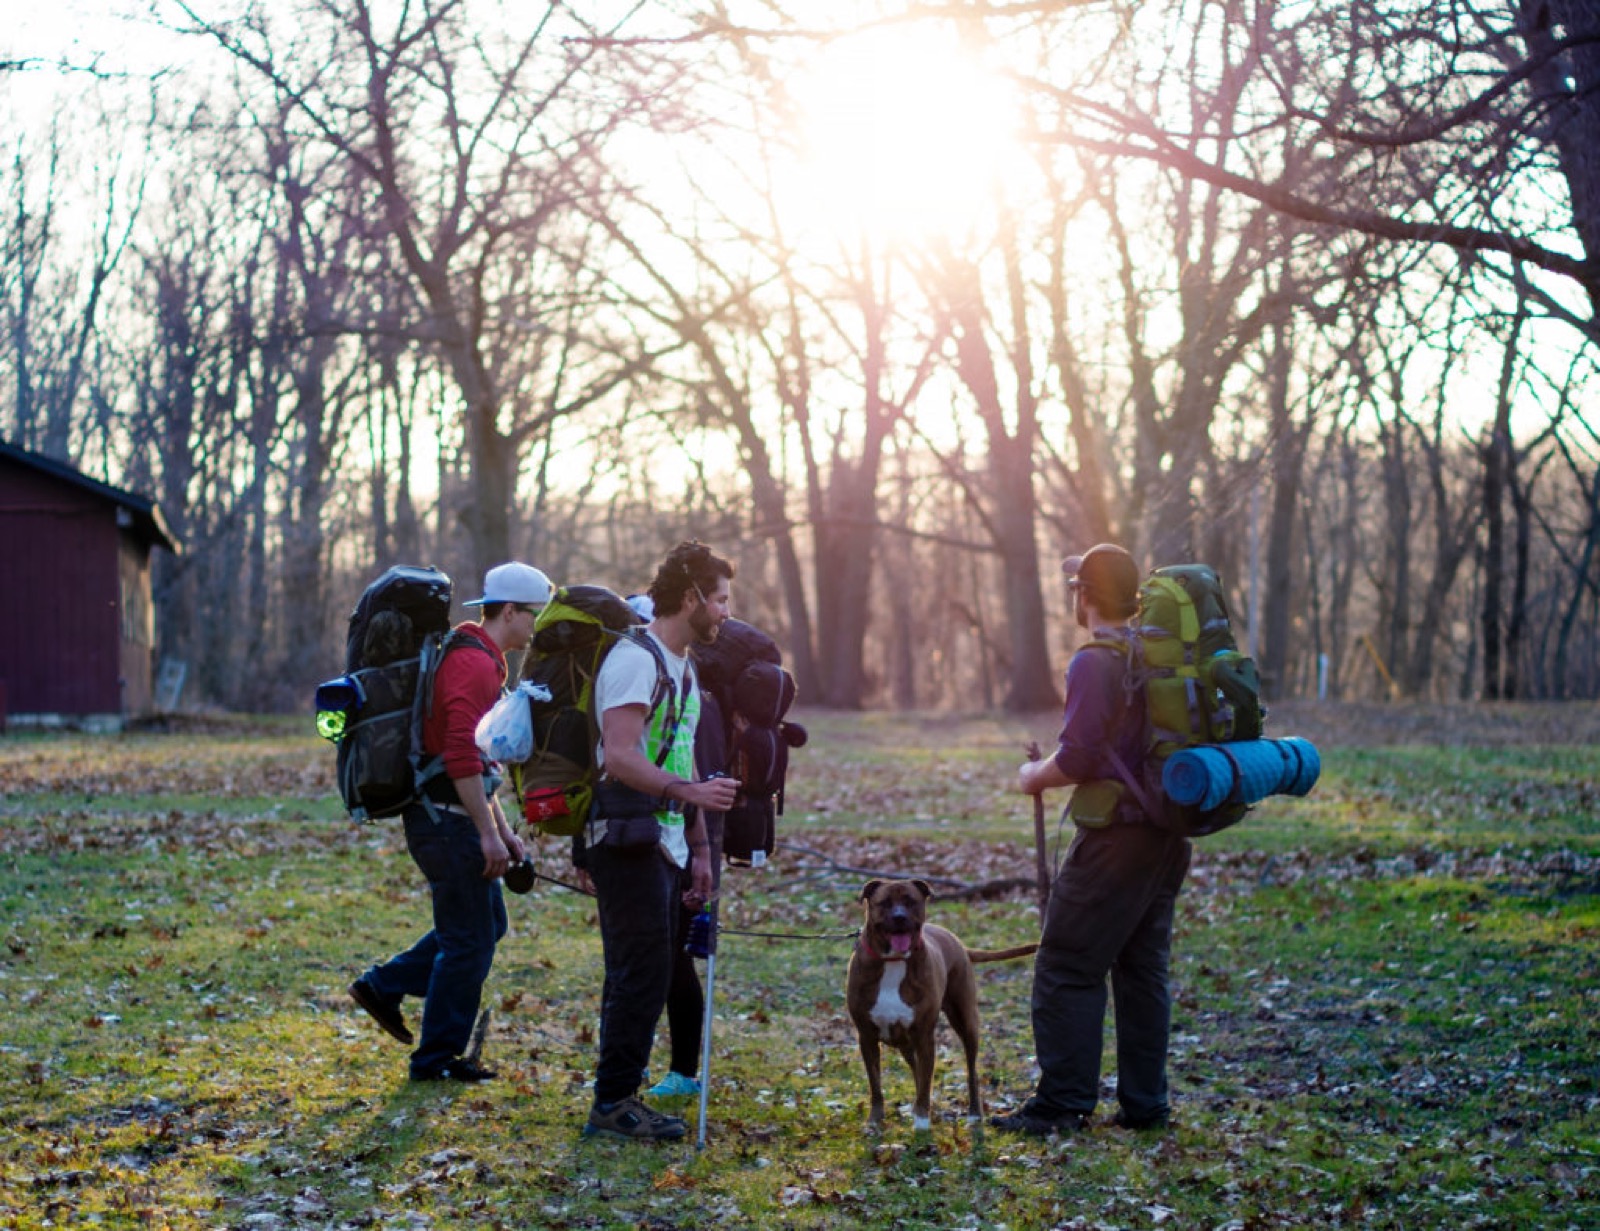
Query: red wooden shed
{"points": [[77, 625]]}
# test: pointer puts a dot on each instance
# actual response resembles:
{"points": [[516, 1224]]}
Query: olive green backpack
{"points": [[1198, 688]]}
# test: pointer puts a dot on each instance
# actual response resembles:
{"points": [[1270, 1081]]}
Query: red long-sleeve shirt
{"points": [[467, 685]]}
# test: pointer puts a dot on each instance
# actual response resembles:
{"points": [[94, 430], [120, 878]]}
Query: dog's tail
{"points": [[1000, 955]]}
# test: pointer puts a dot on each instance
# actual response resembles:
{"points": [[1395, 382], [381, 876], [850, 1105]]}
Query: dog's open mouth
{"points": [[901, 942]]}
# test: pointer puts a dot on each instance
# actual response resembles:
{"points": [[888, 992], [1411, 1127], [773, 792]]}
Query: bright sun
{"points": [[904, 133]]}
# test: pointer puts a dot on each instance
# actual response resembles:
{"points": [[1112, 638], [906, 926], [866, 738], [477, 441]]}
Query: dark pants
{"points": [[686, 1001], [686, 1006], [1110, 912], [640, 898], [448, 966]]}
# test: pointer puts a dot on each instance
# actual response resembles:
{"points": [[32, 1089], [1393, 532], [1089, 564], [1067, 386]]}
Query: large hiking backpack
{"points": [[399, 633], [742, 670], [1198, 687], [573, 634]]}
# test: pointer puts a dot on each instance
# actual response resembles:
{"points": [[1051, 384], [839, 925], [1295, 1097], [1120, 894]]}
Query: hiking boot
{"points": [[386, 1013], [675, 1085], [457, 1070], [632, 1120], [1030, 1120]]}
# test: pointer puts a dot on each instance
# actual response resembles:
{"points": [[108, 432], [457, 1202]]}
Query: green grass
{"points": [[1386, 1007]]}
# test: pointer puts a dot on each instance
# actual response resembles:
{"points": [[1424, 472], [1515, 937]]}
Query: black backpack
{"points": [[742, 671], [399, 634]]}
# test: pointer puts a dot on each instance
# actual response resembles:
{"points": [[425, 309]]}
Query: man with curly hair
{"points": [[647, 853]]}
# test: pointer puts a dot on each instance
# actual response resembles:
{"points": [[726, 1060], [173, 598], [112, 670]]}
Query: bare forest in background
{"points": [[1305, 290]]}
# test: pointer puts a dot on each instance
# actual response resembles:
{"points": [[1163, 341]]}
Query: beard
{"points": [[704, 628]]}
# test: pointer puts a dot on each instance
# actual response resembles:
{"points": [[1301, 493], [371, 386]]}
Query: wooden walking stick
{"points": [[1042, 860]]}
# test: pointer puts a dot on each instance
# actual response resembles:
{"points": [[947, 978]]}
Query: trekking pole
{"points": [[703, 943], [1041, 860], [479, 1033]]}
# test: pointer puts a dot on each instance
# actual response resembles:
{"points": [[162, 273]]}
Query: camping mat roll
{"points": [[1211, 774]]}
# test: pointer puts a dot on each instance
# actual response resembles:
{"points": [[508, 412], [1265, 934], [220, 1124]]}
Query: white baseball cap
{"points": [[513, 583], [642, 606]]}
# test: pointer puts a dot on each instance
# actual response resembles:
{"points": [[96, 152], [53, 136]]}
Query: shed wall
{"points": [[60, 640]]}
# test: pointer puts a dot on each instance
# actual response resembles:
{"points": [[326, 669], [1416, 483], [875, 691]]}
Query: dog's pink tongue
{"points": [[900, 942]]}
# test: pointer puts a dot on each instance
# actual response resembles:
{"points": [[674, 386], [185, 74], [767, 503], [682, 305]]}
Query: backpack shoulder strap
{"points": [[1133, 680], [665, 689], [434, 649]]}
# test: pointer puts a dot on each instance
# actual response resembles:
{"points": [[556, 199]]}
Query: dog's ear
{"points": [[870, 888], [925, 889]]}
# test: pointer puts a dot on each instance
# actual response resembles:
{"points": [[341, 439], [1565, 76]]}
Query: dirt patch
{"points": [[1355, 724]]}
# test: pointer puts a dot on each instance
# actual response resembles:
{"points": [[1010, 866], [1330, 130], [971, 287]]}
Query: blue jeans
{"points": [[639, 896], [448, 966], [1110, 913]]}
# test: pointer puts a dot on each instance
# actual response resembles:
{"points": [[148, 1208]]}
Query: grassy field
{"points": [[1387, 1000]]}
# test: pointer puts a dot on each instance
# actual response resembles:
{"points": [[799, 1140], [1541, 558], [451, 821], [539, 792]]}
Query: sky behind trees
{"points": [[898, 305]]}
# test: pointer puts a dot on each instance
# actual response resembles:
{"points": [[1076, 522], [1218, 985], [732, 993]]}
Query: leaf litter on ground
{"points": [[1385, 1003]]}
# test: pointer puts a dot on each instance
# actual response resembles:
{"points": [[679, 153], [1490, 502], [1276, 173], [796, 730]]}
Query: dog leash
{"points": [[795, 935], [851, 936], [556, 880]]}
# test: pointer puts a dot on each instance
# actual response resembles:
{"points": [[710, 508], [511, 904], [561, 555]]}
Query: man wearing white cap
{"points": [[463, 842]]}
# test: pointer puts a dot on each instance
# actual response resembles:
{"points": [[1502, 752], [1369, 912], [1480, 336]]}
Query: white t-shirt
{"points": [[628, 677]]}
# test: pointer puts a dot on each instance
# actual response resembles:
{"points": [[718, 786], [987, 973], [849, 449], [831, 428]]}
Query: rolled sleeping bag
{"points": [[1249, 770]]}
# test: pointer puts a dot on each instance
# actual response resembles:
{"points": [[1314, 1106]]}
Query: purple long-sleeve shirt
{"points": [[1102, 710]]}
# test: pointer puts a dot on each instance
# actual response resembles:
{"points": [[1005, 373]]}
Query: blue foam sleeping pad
{"points": [[1249, 770]]}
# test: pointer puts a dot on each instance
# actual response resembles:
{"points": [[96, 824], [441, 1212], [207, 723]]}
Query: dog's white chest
{"points": [[891, 1010]]}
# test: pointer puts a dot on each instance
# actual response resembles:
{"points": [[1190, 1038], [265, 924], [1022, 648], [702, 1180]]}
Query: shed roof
{"points": [[144, 513]]}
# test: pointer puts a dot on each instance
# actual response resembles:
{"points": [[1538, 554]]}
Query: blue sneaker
{"points": [[675, 1085]]}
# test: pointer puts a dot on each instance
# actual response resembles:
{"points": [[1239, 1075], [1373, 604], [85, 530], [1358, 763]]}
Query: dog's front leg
{"points": [[872, 1061], [922, 1054]]}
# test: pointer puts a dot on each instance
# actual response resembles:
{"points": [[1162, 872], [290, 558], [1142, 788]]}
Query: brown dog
{"points": [[903, 973]]}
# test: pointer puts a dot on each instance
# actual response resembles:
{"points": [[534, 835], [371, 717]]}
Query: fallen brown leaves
{"points": [[1371, 724], [174, 830], [231, 766]]}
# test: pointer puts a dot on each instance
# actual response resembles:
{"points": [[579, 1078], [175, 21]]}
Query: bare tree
{"points": [[54, 275], [467, 137]]}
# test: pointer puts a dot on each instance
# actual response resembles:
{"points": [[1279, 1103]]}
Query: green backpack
{"points": [[1198, 688], [573, 634]]}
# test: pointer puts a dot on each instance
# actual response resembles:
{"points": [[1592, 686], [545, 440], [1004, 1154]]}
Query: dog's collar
{"points": [[890, 957]]}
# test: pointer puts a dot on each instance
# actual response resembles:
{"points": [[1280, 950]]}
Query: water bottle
{"points": [[702, 935]]}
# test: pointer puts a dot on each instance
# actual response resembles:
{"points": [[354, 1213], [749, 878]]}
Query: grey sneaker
{"points": [[632, 1120]]}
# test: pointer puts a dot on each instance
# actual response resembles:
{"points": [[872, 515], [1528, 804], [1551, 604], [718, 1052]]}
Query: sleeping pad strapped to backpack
{"points": [[399, 633], [1198, 689], [742, 673]]}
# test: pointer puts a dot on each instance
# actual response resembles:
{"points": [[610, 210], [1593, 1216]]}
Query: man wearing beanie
{"points": [[1111, 906]]}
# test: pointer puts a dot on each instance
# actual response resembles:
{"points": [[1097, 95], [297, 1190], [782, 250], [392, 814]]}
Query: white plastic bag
{"points": [[505, 733]]}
